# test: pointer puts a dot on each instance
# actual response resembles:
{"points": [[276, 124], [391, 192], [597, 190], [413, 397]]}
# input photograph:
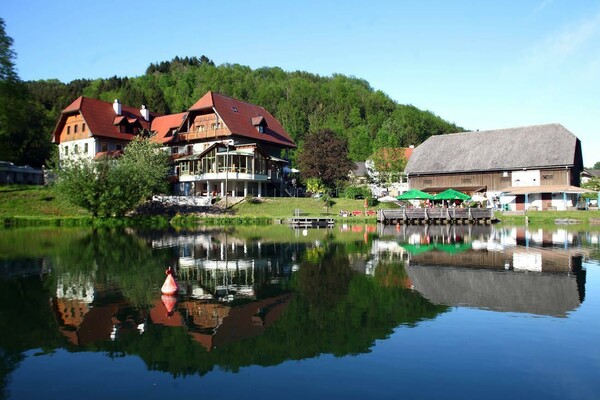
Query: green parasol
{"points": [[451, 194], [414, 194]]}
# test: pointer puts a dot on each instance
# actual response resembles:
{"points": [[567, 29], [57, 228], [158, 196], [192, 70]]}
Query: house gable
{"points": [[240, 119]]}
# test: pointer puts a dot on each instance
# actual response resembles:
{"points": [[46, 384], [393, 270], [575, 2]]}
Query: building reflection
{"points": [[233, 289], [507, 269], [230, 290]]}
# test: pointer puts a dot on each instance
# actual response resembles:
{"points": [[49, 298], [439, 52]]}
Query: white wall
{"points": [[526, 178], [80, 148]]}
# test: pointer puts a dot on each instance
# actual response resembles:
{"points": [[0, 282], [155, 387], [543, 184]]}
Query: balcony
{"points": [[206, 134]]}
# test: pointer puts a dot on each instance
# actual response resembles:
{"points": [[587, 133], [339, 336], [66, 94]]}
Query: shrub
{"points": [[372, 201], [357, 192]]}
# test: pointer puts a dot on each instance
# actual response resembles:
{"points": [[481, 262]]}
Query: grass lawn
{"points": [[35, 201], [284, 207], [549, 217], [41, 203]]}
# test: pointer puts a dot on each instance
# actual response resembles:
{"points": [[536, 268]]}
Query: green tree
{"points": [[592, 184], [23, 138], [597, 165], [325, 156], [389, 164], [109, 187]]}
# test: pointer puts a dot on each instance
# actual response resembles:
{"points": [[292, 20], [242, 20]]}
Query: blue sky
{"points": [[481, 64]]}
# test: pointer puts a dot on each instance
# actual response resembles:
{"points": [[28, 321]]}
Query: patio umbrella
{"points": [[386, 199], [451, 194], [453, 248], [478, 197], [417, 248], [414, 194]]}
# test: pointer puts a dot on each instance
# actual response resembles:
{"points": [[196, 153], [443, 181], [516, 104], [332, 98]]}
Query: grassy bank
{"points": [[545, 218], [37, 206]]}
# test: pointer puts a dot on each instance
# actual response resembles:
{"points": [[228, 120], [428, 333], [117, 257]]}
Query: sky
{"points": [[480, 64]]}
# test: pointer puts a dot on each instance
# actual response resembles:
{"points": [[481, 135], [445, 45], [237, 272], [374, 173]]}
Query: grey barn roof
{"points": [[508, 291], [535, 146]]}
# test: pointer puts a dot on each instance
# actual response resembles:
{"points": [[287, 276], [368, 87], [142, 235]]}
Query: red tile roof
{"points": [[239, 115], [100, 118], [164, 125]]}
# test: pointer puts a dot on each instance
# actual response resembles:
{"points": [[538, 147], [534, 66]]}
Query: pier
{"points": [[418, 216], [311, 222]]}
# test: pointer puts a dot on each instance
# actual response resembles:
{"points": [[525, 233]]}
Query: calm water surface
{"points": [[264, 312]]}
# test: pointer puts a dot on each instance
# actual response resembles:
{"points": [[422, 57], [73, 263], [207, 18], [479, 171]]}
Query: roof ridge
{"points": [[234, 99]]}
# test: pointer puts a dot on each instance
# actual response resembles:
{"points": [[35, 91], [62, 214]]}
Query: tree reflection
{"points": [[105, 284]]}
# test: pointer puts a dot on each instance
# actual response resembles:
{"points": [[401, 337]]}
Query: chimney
{"points": [[145, 112], [117, 107]]}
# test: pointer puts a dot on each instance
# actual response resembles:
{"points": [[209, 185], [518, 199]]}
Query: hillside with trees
{"points": [[304, 102], [366, 119]]}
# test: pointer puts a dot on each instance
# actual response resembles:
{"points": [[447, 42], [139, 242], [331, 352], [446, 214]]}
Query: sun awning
{"points": [[517, 190], [278, 159], [464, 189], [189, 158]]}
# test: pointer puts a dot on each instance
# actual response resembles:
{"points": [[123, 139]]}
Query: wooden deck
{"points": [[436, 216], [311, 222]]}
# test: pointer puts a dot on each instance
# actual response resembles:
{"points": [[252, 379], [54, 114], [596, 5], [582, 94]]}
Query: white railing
{"points": [[183, 200]]}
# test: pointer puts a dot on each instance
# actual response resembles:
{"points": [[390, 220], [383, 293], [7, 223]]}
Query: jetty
{"points": [[311, 222], [417, 216]]}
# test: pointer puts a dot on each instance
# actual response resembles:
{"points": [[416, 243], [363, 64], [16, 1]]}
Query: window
{"points": [[75, 128], [261, 129], [66, 150], [76, 149], [200, 128], [85, 146], [174, 150], [104, 147], [68, 130], [119, 147], [82, 127]]}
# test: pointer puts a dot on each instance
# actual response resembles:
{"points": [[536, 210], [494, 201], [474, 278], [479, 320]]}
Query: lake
{"points": [[357, 311]]}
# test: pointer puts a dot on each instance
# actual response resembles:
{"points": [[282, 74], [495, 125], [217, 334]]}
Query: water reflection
{"points": [[507, 269], [245, 299], [263, 296]]}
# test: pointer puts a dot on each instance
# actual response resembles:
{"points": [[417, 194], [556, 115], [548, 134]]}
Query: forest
{"points": [[303, 102]]}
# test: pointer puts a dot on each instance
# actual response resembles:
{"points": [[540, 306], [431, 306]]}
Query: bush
{"points": [[252, 200], [372, 201], [357, 192]]}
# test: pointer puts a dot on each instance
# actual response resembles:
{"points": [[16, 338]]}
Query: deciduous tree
{"points": [[110, 187], [389, 164], [325, 156]]}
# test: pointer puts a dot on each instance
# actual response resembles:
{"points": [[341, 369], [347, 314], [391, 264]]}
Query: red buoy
{"points": [[170, 286], [169, 303]]}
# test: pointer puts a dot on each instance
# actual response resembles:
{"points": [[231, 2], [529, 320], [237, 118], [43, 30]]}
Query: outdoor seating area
{"points": [[357, 213]]}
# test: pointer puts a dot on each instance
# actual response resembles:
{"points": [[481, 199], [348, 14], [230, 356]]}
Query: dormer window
{"points": [[75, 128], [82, 127], [68, 130], [259, 123]]}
